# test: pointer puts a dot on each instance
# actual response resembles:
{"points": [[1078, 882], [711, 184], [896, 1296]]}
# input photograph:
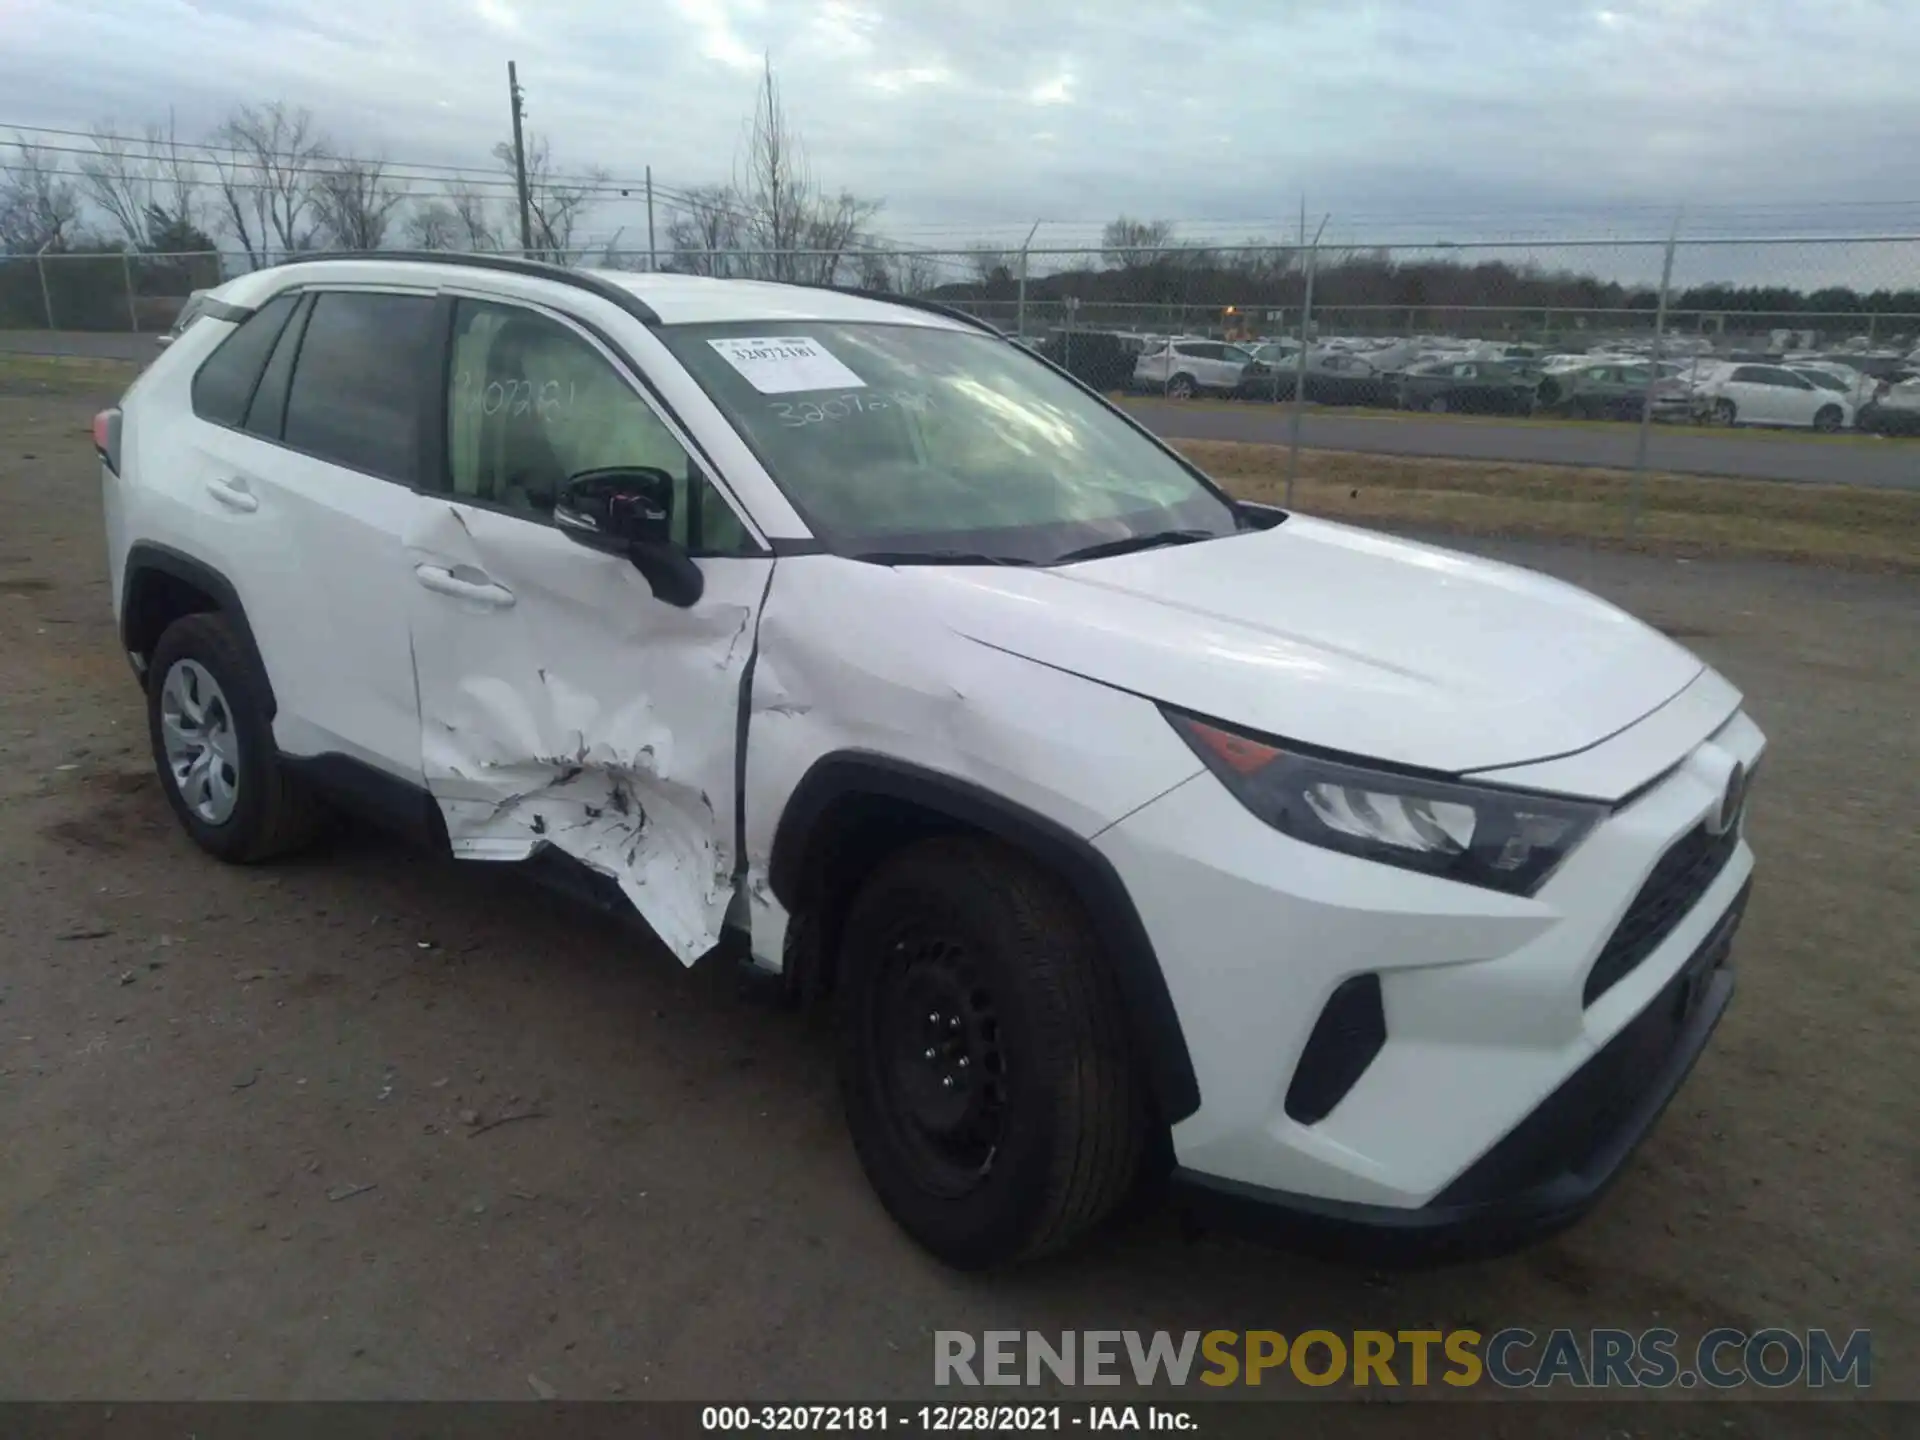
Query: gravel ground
{"points": [[368, 1124]]}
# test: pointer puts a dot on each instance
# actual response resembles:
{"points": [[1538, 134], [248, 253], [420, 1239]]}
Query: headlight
{"points": [[1501, 839]]}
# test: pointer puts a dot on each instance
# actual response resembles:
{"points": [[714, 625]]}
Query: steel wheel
{"points": [[202, 748], [943, 1077]]}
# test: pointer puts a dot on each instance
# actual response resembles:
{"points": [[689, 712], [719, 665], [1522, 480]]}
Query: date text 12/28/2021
{"points": [[943, 1419]]}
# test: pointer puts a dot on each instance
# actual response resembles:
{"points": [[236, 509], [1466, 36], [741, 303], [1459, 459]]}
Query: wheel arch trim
{"points": [[1151, 1017], [148, 557]]}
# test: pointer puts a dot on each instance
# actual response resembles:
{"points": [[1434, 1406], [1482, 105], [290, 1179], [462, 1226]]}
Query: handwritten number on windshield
{"points": [[795, 413]]}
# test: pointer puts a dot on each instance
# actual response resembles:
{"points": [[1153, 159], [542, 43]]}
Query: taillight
{"points": [[106, 437]]}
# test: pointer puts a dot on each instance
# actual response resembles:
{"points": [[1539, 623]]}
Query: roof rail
{"points": [[912, 302], [513, 264]]}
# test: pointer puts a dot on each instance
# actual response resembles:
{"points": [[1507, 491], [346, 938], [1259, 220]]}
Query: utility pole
{"points": [[653, 256], [520, 160]]}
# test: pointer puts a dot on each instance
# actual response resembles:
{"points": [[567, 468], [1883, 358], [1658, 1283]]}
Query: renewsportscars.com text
{"points": [[1513, 1358]]}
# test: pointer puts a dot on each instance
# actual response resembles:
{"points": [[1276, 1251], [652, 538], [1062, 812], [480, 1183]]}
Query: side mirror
{"points": [[628, 510]]}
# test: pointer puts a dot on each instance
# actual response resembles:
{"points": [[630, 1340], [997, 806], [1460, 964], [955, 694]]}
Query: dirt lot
{"points": [[253, 1119]]}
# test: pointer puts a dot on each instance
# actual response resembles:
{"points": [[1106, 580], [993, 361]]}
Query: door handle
{"points": [[234, 495], [463, 582]]}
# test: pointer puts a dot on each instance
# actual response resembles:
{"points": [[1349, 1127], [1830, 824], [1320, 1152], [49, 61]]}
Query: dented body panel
{"points": [[852, 657], [574, 710]]}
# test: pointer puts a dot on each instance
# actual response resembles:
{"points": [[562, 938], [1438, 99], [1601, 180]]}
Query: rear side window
{"points": [[359, 381], [224, 383], [268, 412]]}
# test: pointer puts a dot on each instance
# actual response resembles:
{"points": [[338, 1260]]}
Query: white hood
{"points": [[1336, 637]]}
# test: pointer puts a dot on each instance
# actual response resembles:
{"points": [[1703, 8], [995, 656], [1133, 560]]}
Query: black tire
{"points": [[1043, 1133], [1828, 420], [273, 813]]}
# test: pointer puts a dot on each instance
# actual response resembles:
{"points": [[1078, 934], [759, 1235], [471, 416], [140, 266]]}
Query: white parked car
{"points": [[1185, 368], [1745, 394], [1364, 884], [1841, 379]]}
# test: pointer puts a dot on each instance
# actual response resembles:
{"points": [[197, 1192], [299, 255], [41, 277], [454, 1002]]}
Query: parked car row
{"points": [[1441, 375]]}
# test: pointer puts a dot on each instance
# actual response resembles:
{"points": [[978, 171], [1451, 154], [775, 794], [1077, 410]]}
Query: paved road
{"points": [[81, 343], [1890, 464], [1882, 464]]}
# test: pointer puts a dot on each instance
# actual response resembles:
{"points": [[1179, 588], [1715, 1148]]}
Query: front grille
{"points": [[1674, 888]]}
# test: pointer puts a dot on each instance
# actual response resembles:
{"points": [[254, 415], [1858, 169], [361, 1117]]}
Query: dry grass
{"points": [[1849, 526]]}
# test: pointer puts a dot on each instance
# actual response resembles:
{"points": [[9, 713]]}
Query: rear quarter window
{"points": [[225, 381]]}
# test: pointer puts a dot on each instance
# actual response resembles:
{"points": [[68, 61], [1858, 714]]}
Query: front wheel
{"points": [[1180, 388], [1723, 412], [1827, 422], [984, 1062]]}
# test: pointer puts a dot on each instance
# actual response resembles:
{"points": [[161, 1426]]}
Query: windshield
{"points": [[913, 441]]}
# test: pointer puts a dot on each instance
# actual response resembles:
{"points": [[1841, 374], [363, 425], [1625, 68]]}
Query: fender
{"points": [[1151, 1017], [147, 558]]}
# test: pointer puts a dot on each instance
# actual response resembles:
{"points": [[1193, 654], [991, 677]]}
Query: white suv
{"points": [[1185, 368], [1359, 884]]}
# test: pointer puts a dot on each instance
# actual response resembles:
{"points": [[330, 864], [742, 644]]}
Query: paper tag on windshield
{"points": [[782, 364]]}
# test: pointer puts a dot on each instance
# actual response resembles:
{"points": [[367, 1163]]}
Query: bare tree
{"points": [[355, 201], [703, 237], [989, 265], [917, 274], [119, 182], [433, 225], [474, 215], [38, 209], [830, 229], [556, 203], [1129, 244], [147, 187], [783, 209], [269, 160]]}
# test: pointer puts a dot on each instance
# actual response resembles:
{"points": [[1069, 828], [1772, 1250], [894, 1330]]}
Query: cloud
{"points": [[1404, 118]]}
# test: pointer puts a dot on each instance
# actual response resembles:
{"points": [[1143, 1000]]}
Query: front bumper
{"points": [[1491, 1021], [1546, 1173]]}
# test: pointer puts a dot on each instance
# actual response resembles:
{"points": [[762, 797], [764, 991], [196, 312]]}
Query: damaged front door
{"points": [[562, 704]]}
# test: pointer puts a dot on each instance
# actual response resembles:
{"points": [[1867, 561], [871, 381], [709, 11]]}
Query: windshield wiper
{"points": [[1131, 543], [937, 557]]}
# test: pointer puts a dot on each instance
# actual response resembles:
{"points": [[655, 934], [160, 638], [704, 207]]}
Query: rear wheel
{"points": [[1828, 420], [983, 1056], [213, 746]]}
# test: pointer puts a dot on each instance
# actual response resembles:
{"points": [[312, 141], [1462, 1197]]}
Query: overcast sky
{"points": [[976, 117]]}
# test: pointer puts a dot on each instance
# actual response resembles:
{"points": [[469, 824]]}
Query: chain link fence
{"points": [[1818, 330]]}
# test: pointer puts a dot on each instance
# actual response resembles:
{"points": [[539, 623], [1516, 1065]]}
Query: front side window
{"points": [[531, 403], [912, 439], [365, 362]]}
